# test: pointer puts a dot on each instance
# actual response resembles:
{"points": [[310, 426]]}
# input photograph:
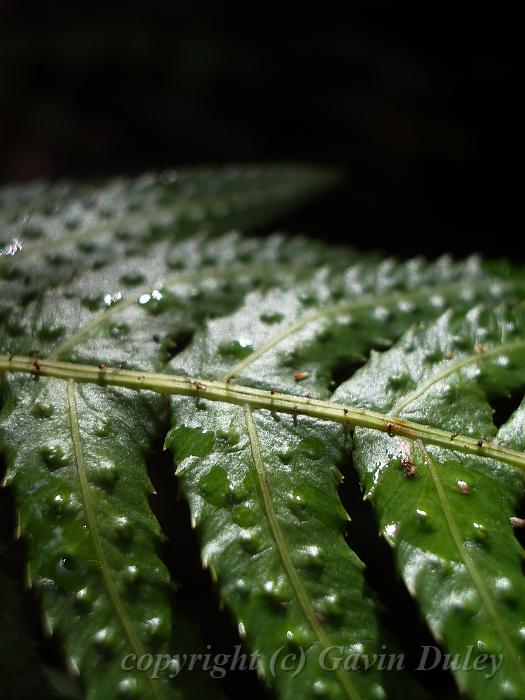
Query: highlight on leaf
{"points": [[133, 316]]}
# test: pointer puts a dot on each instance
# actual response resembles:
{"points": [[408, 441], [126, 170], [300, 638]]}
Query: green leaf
{"points": [[142, 285], [448, 515], [76, 453], [50, 233], [262, 491]]}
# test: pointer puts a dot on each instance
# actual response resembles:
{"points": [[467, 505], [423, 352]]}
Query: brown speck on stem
{"points": [[479, 348], [389, 429], [479, 443], [300, 376], [102, 365], [517, 522], [453, 436]]}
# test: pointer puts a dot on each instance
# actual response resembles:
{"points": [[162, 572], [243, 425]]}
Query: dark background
{"points": [[422, 110]]}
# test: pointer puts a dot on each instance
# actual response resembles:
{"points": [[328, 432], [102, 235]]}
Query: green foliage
{"points": [[146, 275]]}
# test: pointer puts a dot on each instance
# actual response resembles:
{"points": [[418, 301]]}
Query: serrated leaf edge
{"points": [[89, 511], [382, 300]]}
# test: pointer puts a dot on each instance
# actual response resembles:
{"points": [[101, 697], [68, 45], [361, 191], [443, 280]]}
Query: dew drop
{"points": [[82, 597], [479, 533], [62, 505], [390, 532], [467, 603], [508, 691], [381, 313], [128, 688], [250, 541], [102, 637], [504, 590], [110, 299], [123, 528], [241, 586], [130, 574], [299, 638], [325, 690], [297, 503], [277, 591], [422, 519], [330, 606], [153, 626], [310, 557]]}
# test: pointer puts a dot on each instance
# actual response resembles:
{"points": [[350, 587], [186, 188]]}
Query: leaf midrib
{"points": [[284, 553], [89, 511], [349, 416]]}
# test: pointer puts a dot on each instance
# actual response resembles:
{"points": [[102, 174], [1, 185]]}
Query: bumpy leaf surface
{"points": [[144, 275], [448, 515], [261, 489], [76, 454]]}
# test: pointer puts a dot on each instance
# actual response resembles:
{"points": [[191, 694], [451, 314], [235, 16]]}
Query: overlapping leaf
{"points": [[258, 487], [449, 515], [76, 454], [124, 276]]}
